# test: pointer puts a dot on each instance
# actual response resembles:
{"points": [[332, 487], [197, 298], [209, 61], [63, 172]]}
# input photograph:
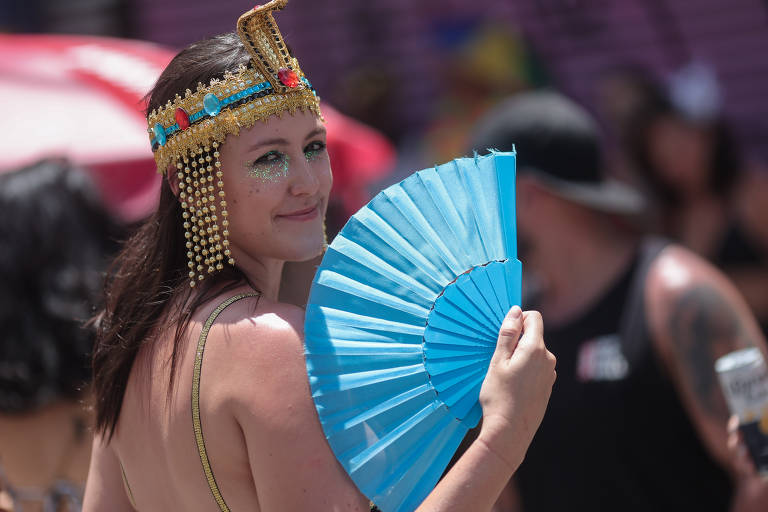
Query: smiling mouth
{"points": [[302, 215]]}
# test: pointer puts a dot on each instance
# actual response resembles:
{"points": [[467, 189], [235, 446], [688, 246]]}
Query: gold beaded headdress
{"points": [[188, 131]]}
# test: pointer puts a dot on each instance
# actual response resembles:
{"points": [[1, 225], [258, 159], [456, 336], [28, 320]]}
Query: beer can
{"points": [[744, 379]]}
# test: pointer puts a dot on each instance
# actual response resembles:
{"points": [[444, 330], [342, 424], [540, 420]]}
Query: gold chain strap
{"points": [[196, 399]]}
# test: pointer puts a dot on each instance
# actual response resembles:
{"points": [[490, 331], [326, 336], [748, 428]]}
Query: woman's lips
{"points": [[301, 215]]}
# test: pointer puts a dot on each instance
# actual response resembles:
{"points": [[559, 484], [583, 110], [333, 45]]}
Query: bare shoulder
{"points": [[260, 356], [257, 354], [677, 271], [256, 321], [685, 293]]}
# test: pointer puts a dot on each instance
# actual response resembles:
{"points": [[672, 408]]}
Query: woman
{"points": [[242, 197], [56, 241]]}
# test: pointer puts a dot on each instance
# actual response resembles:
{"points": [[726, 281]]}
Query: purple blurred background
{"points": [[402, 46]]}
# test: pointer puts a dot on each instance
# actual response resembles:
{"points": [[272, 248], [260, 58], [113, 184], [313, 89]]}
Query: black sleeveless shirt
{"points": [[615, 436]]}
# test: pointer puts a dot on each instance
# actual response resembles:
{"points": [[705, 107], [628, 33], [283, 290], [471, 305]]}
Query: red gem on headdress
{"points": [[288, 77], [182, 119]]}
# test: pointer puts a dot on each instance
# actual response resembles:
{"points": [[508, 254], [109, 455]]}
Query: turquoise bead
{"points": [[211, 104], [159, 134]]}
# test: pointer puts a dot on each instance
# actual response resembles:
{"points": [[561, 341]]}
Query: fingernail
{"points": [[516, 312]]}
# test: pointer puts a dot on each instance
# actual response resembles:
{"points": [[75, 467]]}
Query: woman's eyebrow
{"points": [[315, 132], [285, 142], [269, 142]]}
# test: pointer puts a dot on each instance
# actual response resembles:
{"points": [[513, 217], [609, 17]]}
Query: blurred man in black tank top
{"points": [[636, 421]]}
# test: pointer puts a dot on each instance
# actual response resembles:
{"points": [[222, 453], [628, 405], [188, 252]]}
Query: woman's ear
{"points": [[173, 179]]}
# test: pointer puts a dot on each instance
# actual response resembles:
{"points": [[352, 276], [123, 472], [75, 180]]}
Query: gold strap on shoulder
{"points": [[196, 398], [128, 490]]}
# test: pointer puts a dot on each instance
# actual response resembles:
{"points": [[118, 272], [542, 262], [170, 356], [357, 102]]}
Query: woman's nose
{"points": [[304, 178]]}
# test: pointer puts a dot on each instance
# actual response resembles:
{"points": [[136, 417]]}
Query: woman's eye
{"points": [[314, 148], [270, 157], [270, 166]]}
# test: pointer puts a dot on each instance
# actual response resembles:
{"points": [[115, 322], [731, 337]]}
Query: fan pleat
{"points": [[387, 239], [434, 246], [373, 301], [353, 260], [435, 217], [434, 351], [444, 380], [360, 335], [323, 364], [446, 337], [334, 403], [354, 348], [391, 214], [486, 288], [467, 293], [512, 272], [454, 305], [363, 438], [506, 187], [345, 382], [394, 496], [496, 274], [408, 432], [456, 210], [403, 320], [336, 318], [476, 186], [453, 326], [337, 420], [454, 363], [483, 287], [461, 398], [398, 252]]}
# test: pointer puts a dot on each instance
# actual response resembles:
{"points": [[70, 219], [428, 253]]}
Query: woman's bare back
{"points": [[266, 448], [155, 440]]}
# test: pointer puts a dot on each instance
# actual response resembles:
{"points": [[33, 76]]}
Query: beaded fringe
{"points": [[207, 244]]}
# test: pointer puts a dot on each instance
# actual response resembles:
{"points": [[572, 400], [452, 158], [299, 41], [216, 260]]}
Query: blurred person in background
{"points": [[707, 197], [54, 245], [636, 420]]}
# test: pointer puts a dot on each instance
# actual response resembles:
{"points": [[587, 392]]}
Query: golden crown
{"points": [[187, 132], [271, 84]]}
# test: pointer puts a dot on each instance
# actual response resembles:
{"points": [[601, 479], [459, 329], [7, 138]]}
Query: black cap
{"points": [[558, 141]]}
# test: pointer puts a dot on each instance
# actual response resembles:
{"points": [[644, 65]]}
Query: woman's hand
{"points": [[750, 489], [514, 397], [517, 387]]}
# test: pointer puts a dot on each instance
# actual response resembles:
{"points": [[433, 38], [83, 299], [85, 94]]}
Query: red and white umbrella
{"points": [[82, 98]]}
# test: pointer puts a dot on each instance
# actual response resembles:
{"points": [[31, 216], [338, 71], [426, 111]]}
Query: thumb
{"points": [[509, 334]]}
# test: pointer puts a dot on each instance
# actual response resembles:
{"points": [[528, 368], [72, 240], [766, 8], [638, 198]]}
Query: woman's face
{"points": [[277, 178]]}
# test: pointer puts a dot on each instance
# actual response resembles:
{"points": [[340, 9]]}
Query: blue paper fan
{"points": [[402, 321]]}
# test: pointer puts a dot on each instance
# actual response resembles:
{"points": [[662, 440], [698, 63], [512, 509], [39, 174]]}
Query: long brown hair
{"points": [[147, 288]]}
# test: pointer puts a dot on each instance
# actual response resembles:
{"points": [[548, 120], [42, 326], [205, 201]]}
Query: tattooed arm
{"points": [[695, 316]]}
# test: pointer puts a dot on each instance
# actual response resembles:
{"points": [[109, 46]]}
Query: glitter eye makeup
{"points": [[270, 167], [313, 150]]}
